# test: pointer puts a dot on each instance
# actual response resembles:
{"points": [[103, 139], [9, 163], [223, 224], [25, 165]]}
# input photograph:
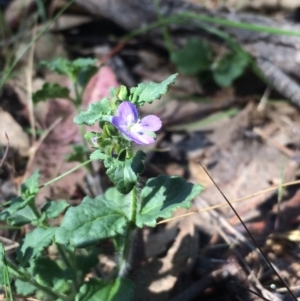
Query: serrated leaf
{"points": [[148, 92], [24, 288], [161, 196], [124, 174], [79, 71], [16, 204], [60, 66], [18, 213], [193, 58], [48, 273], [22, 217], [89, 222], [230, 67], [53, 209], [94, 112], [50, 91], [120, 289], [31, 185], [33, 244]]}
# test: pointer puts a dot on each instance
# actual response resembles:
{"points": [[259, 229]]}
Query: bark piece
{"points": [[277, 56]]}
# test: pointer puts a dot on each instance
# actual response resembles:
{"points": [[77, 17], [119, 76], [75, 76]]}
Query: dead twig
{"points": [[251, 236], [6, 150]]}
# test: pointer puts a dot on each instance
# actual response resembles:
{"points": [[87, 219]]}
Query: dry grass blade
{"points": [[250, 290], [275, 187], [251, 236], [6, 150]]}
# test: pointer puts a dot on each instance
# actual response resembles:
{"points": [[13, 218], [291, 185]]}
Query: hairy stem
{"points": [[126, 248], [65, 174]]}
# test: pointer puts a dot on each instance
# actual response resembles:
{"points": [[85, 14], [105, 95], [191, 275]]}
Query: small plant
{"points": [[196, 58], [116, 215]]}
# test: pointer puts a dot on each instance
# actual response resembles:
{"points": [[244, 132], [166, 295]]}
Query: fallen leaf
{"points": [[99, 86], [18, 139]]}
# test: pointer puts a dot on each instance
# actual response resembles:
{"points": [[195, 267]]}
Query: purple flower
{"points": [[128, 123]]}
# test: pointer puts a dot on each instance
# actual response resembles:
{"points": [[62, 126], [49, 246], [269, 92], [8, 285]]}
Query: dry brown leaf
{"points": [[159, 275], [50, 157], [18, 139]]}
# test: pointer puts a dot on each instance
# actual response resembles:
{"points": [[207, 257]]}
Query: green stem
{"points": [[78, 105], [125, 249], [60, 249], [164, 29], [69, 264], [188, 16], [65, 174], [13, 270], [63, 255]]}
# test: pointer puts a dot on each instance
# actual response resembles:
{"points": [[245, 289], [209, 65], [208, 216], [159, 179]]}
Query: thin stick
{"points": [[37, 144], [6, 150], [29, 85], [251, 291], [250, 235], [232, 202]]}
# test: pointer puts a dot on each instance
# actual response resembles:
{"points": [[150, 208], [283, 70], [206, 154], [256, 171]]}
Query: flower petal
{"points": [[150, 123], [128, 112], [141, 138], [121, 124]]}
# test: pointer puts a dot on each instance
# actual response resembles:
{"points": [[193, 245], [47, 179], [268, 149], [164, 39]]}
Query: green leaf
{"points": [[86, 69], [124, 174], [60, 66], [7, 273], [119, 201], [161, 196], [53, 209], [98, 155], [120, 289], [2, 276], [31, 185], [148, 92], [230, 67], [22, 217], [79, 153], [79, 71], [24, 288], [94, 112], [19, 212], [50, 91], [193, 58], [122, 93], [48, 273], [33, 244], [3, 268], [89, 222]]}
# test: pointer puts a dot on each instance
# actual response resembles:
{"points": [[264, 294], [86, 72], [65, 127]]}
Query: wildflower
{"points": [[140, 131]]}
